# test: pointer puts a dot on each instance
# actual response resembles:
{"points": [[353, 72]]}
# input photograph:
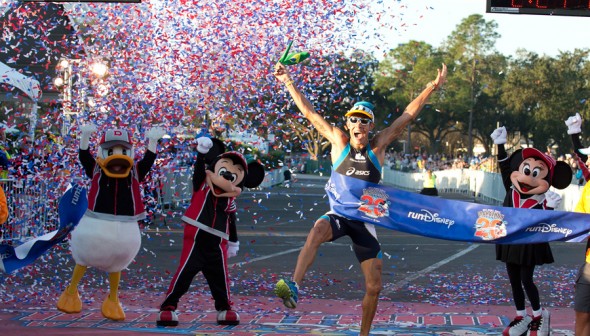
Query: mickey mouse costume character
{"points": [[527, 175], [210, 234], [108, 236]]}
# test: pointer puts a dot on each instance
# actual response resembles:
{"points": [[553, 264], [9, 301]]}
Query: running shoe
{"points": [[288, 291]]}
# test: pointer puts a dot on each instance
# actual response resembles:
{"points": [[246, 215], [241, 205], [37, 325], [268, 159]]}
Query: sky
{"points": [[433, 21]]}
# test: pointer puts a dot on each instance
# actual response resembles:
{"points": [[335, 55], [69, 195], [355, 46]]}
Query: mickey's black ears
{"points": [[255, 175], [215, 151], [562, 175], [515, 159]]}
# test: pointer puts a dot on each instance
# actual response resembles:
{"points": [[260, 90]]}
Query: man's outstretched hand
{"points": [[441, 77], [281, 73]]}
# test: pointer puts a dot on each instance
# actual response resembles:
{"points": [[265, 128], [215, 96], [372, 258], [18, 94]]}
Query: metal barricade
{"points": [[32, 209], [33, 203]]}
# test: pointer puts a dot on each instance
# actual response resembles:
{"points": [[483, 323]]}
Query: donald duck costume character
{"points": [[108, 236]]}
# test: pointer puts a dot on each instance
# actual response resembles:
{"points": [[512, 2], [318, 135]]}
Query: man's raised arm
{"points": [[387, 135], [325, 128]]}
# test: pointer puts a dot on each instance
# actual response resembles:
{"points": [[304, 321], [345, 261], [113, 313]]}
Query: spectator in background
{"points": [[4, 156], [582, 286], [579, 176], [287, 176], [3, 207], [429, 186]]}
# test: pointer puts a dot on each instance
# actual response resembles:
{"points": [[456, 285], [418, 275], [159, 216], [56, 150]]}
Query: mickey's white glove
{"points": [[499, 135], [232, 249], [153, 135], [86, 131], [553, 199], [204, 144], [574, 124]]}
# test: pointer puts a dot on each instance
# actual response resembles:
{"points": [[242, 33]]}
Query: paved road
{"points": [[421, 275]]}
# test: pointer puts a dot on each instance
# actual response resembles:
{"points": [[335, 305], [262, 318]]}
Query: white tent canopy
{"points": [[30, 86]]}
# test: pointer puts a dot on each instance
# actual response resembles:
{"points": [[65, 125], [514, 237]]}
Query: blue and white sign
{"points": [[72, 206], [449, 219]]}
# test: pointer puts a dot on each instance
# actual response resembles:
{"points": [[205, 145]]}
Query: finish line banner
{"points": [[448, 219], [72, 206]]}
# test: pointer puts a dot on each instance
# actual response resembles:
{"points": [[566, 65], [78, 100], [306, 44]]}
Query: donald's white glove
{"points": [[553, 199], [86, 131], [499, 135], [574, 124], [153, 135], [204, 144], [232, 249]]}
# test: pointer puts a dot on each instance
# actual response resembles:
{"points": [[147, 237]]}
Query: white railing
{"points": [[483, 186], [176, 186]]}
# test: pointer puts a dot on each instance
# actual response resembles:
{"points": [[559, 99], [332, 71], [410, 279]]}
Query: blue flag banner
{"points": [[449, 219], [72, 206]]}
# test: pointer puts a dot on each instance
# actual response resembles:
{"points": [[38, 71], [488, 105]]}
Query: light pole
{"points": [[409, 140], [65, 82]]}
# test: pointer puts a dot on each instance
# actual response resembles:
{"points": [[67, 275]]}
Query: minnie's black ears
{"points": [[562, 175]]}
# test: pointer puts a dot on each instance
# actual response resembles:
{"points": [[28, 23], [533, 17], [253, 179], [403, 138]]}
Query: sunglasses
{"points": [[363, 121]]}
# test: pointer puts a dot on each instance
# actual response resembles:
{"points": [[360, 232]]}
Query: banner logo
{"points": [[549, 228], [427, 216], [374, 203], [353, 171], [490, 224]]}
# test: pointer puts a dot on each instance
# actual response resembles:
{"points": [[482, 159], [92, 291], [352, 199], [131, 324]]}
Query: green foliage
{"points": [[271, 160], [529, 94], [540, 92]]}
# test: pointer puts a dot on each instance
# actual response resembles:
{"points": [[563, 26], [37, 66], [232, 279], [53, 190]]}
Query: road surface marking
{"points": [[428, 269], [266, 257]]}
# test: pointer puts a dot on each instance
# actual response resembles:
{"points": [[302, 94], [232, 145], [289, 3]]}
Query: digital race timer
{"points": [[541, 7]]}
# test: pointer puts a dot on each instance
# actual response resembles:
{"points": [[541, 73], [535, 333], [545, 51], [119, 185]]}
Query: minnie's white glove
{"points": [[232, 249], [574, 124], [204, 144], [153, 135], [86, 131], [553, 199], [499, 135]]}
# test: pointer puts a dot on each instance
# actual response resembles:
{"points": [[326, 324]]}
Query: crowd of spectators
{"points": [[421, 161], [418, 162]]}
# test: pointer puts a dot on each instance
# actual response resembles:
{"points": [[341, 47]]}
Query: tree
{"points": [[489, 111], [466, 47], [401, 77], [540, 92], [563, 92]]}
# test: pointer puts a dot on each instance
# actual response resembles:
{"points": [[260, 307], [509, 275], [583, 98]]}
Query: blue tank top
{"points": [[362, 164]]}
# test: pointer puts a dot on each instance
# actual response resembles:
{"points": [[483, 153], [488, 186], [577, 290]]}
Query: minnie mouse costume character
{"points": [[210, 234], [108, 236], [527, 175]]}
